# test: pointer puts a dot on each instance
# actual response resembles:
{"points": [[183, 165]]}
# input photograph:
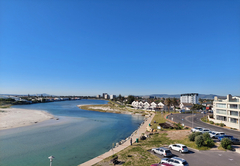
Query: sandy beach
{"points": [[15, 117]]}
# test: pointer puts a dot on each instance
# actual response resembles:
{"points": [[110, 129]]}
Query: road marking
{"points": [[230, 159], [219, 154]]}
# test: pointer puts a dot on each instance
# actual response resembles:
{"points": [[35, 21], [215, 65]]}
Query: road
{"points": [[209, 158], [187, 120]]}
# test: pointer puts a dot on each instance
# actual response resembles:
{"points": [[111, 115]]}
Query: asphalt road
{"points": [[207, 158], [187, 120]]}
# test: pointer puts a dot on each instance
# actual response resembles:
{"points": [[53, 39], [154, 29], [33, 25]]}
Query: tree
{"points": [[175, 103], [130, 99], [168, 102]]}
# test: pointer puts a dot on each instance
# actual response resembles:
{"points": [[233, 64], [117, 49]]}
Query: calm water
{"points": [[78, 136]]}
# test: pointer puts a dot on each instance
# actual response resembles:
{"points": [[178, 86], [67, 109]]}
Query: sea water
{"points": [[78, 136]]}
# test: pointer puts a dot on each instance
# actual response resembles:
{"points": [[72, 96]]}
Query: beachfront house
{"points": [[146, 105], [162, 106], [140, 105], [186, 106], [153, 106]]}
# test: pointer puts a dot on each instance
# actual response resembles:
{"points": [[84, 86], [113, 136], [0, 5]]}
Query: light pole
{"points": [[192, 118], [51, 159]]}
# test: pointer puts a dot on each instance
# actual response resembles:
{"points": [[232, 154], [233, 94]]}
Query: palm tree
{"points": [[175, 103], [168, 102]]}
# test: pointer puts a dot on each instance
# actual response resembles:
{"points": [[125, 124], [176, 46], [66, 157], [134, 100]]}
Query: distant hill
{"points": [[202, 96], [43, 94]]}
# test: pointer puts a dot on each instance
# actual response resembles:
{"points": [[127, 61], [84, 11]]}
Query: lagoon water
{"points": [[79, 135]]}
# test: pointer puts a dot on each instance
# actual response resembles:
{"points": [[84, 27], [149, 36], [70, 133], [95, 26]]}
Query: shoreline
{"points": [[17, 117], [108, 109], [122, 144]]}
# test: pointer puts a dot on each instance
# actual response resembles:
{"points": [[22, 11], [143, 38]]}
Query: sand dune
{"points": [[15, 117]]}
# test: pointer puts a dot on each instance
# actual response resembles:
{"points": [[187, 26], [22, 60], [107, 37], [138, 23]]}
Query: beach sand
{"points": [[15, 117]]}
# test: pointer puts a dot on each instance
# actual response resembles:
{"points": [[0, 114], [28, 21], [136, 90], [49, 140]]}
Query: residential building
{"points": [[186, 106], [106, 96], [227, 111], [112, 97], [98, 96], [189, 98]]}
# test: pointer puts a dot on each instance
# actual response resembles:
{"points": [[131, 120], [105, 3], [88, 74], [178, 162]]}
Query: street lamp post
{"points": [[51, 159]]}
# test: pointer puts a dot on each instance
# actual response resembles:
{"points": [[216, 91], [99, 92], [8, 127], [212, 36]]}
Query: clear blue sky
{"points": [[123, 47]]}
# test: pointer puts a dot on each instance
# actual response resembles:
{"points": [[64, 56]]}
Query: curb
{"points": [[175, 122]]}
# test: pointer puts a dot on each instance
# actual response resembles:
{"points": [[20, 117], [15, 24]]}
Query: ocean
{"points": [[78, 136]]}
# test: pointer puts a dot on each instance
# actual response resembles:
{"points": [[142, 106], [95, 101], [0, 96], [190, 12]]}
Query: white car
{"points": [[203, 130], [196, 129], [215, 134], [179, 147], [162, 151], [174, 161]]}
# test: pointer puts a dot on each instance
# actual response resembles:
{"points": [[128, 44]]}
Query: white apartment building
{"points": [[227, 111], [112, 97], [189, 98]]}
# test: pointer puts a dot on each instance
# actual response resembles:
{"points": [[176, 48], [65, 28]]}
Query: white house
{"points": [[146, 105]]}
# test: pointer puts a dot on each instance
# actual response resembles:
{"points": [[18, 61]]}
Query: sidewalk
{"points": [[139, 132]]}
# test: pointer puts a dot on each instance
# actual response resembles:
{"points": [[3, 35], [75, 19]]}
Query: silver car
{"points": [[175, 161], [162, 151], [203, 130], [196, 129], [179, 147], [215, 134]]}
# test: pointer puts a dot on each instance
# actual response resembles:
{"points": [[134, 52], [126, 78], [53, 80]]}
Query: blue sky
{"points": [[123, 47]]}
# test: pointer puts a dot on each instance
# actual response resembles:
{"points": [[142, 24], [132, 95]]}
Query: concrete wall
{"points": [[233, 125]]}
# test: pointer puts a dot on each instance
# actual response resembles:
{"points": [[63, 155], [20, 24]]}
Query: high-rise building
{"points": [[189, 98]]}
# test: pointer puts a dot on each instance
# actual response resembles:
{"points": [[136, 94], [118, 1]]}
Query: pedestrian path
{"points": [[139, 132]]}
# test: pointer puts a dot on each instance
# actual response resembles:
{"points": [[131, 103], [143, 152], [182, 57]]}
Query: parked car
{"points": [[203, 130], [196, 129], [179, 147], [162, 151], [234, 140], [164, 164], [215, 134], [175, 161]]}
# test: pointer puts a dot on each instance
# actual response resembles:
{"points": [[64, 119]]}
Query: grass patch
{"points": [[159, 118], [138, 155]]}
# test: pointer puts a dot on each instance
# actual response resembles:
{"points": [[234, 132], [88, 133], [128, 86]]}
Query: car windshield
{"points": [[168, 151], [184, 147], [184, 162]]}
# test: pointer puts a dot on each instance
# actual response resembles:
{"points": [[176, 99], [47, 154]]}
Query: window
{"points": [[222, 112], [233, 106], [221, 105], [233, 120], [234, 113], [177, 162], [223, 118]]}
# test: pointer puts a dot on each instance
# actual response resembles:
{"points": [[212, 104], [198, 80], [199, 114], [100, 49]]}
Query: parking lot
{"points": [[209, 158]]}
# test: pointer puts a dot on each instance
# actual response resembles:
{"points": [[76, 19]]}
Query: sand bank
{"points": [[107, 108], [15, 117]]}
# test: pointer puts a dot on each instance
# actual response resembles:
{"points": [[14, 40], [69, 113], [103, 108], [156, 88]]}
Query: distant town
{"points": [[186, 103]]}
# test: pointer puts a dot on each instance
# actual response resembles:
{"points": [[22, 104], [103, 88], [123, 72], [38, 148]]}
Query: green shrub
{"points": [[229, 147], [222, 124], [225, 142], [178, 126], [199, 140], [211, 122], [191, 137], [206, 136], [217, 124], [209, 142], [197, 134]]}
